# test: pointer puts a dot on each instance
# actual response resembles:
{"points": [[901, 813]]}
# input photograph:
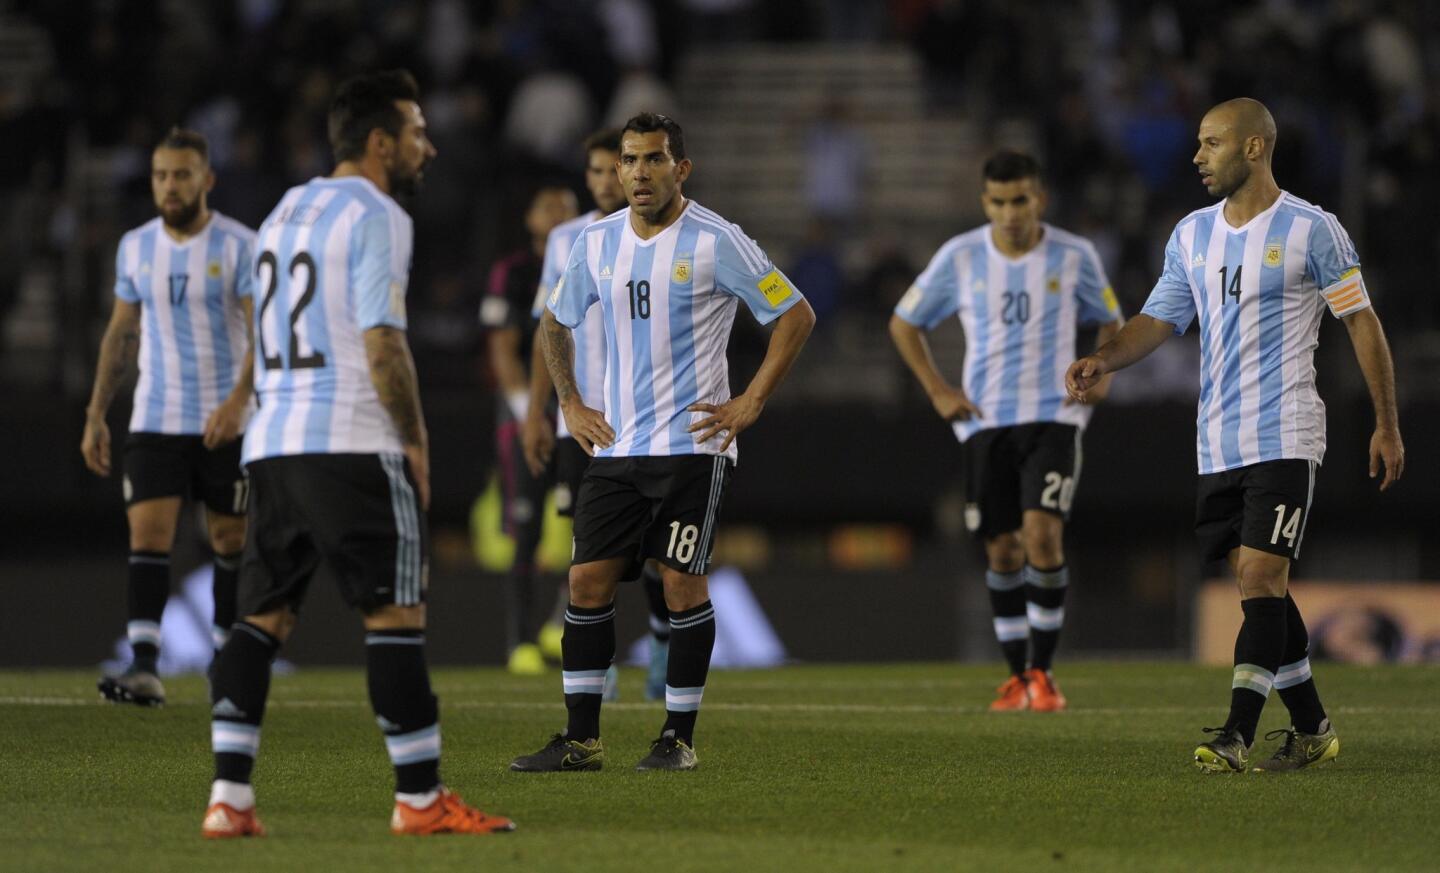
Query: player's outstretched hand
{"points": [[537, 440], [1386, 447], [589, 427], [223, 425], [419, 459], [729, 418], [953, 405], [1082, 377], [95, 445]]}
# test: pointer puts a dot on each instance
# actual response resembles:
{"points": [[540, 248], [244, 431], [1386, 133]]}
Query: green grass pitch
{"points": [[825, 768]]}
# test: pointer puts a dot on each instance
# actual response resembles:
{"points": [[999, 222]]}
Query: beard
{"points": [[182, 216], [1242, 175], [406, 185]]}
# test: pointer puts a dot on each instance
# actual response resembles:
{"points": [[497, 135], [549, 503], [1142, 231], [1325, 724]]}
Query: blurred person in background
{"points": [[183, 299], [1259, 268], [1022, 289], [505, 314]]}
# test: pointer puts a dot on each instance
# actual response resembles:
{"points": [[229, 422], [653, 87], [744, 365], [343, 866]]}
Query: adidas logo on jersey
{"points": [[605, 272], [226, 708], [1198, 260]]}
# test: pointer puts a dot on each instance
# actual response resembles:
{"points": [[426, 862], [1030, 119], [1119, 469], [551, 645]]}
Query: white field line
{"points": [[720, 706]]}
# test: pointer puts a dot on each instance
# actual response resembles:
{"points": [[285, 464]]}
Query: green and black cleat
{"points": [[1227, 753], [140, 687], [562, 755], [1301, 750], [668, 753]]}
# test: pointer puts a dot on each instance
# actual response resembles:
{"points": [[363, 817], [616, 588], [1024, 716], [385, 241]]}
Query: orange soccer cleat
{"points": [[447, 815], [1045, 695], [223, 821], [1011, 696]]}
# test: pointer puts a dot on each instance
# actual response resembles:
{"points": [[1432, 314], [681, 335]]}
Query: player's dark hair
{"points": [[1007, 165], [649, 122], [365, 102], [180, 138], [606, 139]]}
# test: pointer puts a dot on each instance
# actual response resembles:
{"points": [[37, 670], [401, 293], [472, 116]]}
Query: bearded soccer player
{"points": [[182, 294], [1259, 269], [602, 153], [339, 458], [667, 274], [1021, 288]]}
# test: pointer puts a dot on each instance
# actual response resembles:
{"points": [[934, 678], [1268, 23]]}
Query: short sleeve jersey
{"points": [[1259, 291], [192, 330], [668, 304], [1020, 317], [333, 261]]}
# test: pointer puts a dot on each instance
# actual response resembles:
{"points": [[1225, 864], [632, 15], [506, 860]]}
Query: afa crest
{"points": [[213, 269], [1052, 285], [681, 273], [1274, 255]]}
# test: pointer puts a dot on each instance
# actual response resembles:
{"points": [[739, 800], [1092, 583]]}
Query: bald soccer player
{"points": [[1260, 268]]}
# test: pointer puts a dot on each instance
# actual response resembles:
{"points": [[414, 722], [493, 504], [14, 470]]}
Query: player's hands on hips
{"points": [[419, 458], [1082, 377], [588, 426], [729, 418], [95, 445], [537, 440], [224, 424], [1386, 447], [952, 405]]}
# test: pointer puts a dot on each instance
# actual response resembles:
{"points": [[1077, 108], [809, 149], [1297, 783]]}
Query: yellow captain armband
{"points": [[1348, 294], [1112, 305]]}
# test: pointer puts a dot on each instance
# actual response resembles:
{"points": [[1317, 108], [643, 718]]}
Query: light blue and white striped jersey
{"points": [[590, 335], [192, 331], [1020, 316], [668, 304], [333, 260], [1259, 291]]}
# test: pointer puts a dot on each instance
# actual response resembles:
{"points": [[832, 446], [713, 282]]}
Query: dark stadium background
{"points": [[844, 135]]}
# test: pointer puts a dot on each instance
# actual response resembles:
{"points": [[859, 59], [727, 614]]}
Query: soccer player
{"points": [[602, 153], [1259, 268], [1022, 288], [505, 313], [338, 458], [182, 294], [667, 275]]}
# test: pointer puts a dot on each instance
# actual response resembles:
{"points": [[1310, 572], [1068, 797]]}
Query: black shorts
{"points": [[179, 465], [1011, 469], [1263, 506], [522, 493], [570, 462], [664, 508], [358, 513]]}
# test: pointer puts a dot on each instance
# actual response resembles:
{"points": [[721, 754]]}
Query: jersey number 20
{"points": [[298, 361]]}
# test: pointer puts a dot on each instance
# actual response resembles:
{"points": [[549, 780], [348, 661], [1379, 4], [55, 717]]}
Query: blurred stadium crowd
{"points": [[1108, 92]]}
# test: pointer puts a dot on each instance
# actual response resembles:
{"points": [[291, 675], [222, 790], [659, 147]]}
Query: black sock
{"points": [[1293, 679], [1007, 602], [238, 689], [148, 589], [655, 596], [224, 586], [586, 651], [407, 712], [692, 639], [519, 594], [1258, 650], [1045, 609]]}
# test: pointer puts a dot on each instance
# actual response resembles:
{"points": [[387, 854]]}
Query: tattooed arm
{"points": [[392, 372], [117, 355], [587, 425]]}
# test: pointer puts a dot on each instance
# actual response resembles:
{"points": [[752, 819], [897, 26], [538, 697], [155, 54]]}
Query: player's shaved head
{"points": [[1247, 117]]}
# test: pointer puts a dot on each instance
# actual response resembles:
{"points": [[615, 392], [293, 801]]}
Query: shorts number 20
{"points": [[682, 542], [1059, 491]]}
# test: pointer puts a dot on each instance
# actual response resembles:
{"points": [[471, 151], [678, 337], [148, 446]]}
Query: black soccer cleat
{"points": [[668, 753], [561, 755], [140, 687]]}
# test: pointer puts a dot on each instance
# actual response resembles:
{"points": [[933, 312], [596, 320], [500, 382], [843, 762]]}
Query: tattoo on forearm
{"points": [[118, 351], [393, 374], [560, 358]]}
